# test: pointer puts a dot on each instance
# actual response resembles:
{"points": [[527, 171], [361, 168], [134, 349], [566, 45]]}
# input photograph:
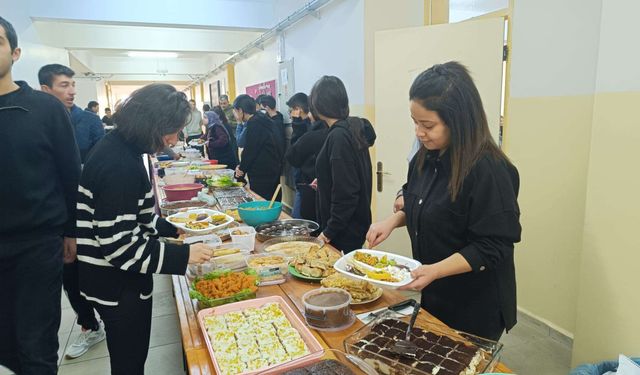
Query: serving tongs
{"points": [[405, 347]]}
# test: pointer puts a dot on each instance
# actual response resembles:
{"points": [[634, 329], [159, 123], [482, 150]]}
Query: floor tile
{"points": [[5, 371], [63, 339], [164, 330], [97, 351], [162, 283], [165, 360], [95, 367], [65, 301], [67, 320], [164, 304]]}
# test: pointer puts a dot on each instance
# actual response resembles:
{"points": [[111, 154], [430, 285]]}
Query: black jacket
{"points": [[118, 228], [263, 152], [482, 225], [222, 145], [300, 127], [343, 169], [40, 169], [302, 154]]}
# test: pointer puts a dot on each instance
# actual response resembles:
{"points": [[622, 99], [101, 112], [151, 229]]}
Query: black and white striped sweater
{"points": [[117, 226]]}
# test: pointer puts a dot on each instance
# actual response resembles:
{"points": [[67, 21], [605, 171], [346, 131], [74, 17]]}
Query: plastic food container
{"points": [[327, 309], [245, 235], [271, 268], [257, 212], [175, 179], [293, 251], [315, 349], [204, 302], [181, 192], [192, 154], [235, 261]]}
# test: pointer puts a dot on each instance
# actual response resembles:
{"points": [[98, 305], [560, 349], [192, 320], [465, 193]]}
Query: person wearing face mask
{"points": [[460, 207], [263, 153], [118, 230]]}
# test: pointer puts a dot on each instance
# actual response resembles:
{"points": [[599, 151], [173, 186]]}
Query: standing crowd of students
{"points": [[93, 229]]}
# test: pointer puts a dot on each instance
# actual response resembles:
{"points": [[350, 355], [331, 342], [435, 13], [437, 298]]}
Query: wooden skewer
{"points": [[275, 195]]}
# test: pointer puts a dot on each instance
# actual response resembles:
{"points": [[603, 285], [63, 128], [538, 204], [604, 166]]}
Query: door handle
{"points": [[379, 174]]}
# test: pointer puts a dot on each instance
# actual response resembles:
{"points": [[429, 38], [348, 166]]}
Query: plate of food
{"points": [[361, 291], [315, 264], [292, 246], [199, 221], [197, 142], [378, 267]]}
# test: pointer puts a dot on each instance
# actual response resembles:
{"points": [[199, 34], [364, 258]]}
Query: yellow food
{"points": [[359, 290], [316, 262], [197, 225], [180, 220], [291, 247], [234, 214], [269, 260], [223, 252], [219, 219]]}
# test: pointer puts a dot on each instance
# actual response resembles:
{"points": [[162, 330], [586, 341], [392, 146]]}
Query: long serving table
{"points": [[196, 356]]}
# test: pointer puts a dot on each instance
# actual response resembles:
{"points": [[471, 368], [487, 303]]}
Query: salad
{"points": [[222, 182]]}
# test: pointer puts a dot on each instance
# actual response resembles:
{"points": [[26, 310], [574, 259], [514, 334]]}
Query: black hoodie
{"points": [[263, 152], [40, 169], [302, 154], [343, 169]]}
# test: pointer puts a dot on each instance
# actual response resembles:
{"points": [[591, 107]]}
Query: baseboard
{"points": [[546, 327]]}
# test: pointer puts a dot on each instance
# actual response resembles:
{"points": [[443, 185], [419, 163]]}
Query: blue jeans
{"points": [[297, 203]]}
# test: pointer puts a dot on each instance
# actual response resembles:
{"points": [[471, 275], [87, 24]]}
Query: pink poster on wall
{"points": [[268, 88]]}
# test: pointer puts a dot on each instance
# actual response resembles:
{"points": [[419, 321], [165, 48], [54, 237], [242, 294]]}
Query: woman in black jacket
{"points": [[117, 228], [343, 168], [220, 143], [460, 207], [263, 152]]}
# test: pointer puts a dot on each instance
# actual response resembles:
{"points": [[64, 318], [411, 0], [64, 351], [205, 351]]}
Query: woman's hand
{"points": [[324, 238], [423, 276], [398, 205], [239, 173], [380, 231], [199, 253]]}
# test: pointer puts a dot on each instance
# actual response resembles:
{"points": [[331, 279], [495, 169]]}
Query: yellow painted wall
{"points": [[549, 140], [608, 306]]}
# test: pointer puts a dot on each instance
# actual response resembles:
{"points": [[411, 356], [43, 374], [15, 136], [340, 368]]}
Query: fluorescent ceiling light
{"points": [[160, 55]]}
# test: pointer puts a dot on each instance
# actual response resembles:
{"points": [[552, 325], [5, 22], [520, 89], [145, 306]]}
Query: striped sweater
{"points": [[117, 226]]}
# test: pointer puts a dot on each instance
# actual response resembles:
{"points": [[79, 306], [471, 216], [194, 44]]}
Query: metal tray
{"points": [[490, 350], [289, 226]]}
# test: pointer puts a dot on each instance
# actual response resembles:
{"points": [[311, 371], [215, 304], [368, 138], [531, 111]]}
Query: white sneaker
{"points": [[85, 341]]}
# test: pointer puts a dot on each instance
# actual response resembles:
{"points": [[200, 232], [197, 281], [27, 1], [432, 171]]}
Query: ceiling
{"points": [[100, 36]]}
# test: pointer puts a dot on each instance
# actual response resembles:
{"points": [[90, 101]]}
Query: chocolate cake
{"points": [[325, 367], [437, 354]]}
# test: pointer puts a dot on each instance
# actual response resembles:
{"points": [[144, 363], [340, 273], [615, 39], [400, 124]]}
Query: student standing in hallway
{"points": [[57, 80], [193, 130], [343, 167], [263, 151], [118, 245], [228, 111], [268, 104], [37, 217], [460, 207]]}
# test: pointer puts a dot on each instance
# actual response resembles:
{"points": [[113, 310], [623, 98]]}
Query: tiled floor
{"points": [[528, 348]]}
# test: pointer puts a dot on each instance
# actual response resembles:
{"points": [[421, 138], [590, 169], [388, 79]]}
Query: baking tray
{"points": [[315, 349], [309, 226], [491, 350]]}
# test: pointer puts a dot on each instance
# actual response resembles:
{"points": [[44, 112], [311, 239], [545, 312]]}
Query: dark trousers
{"points": [[128, 328], [265, 186], [82, 307], [30, 292]]}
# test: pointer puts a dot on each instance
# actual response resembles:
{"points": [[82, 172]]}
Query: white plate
{"points": [[341, 266], [200, 211]]}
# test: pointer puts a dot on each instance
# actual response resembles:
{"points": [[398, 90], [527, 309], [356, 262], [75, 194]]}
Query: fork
{"points": [[406, 347]]}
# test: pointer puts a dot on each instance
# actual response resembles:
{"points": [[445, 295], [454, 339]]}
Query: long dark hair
{"points": [[448, 89], [149, 114], [329, 98]]}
